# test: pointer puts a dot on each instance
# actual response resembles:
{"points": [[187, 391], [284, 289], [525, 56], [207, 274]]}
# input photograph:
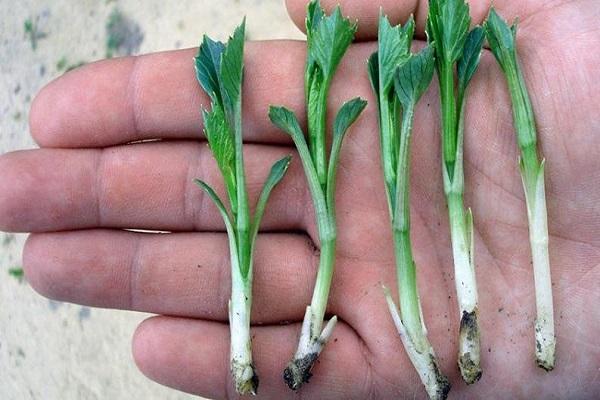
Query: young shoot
{"points": [[219, 70], [329, 36], [501, 39], [399, 79], [458, 51]]}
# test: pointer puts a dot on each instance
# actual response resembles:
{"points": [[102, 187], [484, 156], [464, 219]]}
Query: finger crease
{"points": [[199, 210], [134, 271], [189, 211], [132, 91], [99, 186]]}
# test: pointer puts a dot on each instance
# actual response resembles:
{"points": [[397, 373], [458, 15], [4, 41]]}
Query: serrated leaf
{"points": [[501, 39], [447, 26], [468, 63], [220, 141], [232, 68], [277, 172], [329, 40], [314, 15], [413, 77], [313, 75], [208, 65], [394, 49]]}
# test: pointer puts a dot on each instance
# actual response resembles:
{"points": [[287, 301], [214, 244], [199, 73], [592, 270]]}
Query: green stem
{"points": [[317, 128], [242, 219], [388, 132], [446, 78], [524, 122], [410, 309], [407, 287], [318, 303]]}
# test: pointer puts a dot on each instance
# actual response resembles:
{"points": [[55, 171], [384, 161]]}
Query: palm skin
{"points": [[93, 186]]}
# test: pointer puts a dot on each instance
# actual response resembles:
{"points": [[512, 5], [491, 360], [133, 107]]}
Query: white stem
{"points": [[466, 285], [424, 362], [242, 368], [310, 345], [312, 341], [469, 349], [545, 341]]}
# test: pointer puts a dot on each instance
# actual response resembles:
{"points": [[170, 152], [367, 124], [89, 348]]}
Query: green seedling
{"points": [[329, 36], [399, 79], [219, 70], [502, 42], [458, 51]]}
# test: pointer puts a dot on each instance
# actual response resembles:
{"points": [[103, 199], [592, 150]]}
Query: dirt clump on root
{"points": [[469, 329], [298, 370], [443, 383]]}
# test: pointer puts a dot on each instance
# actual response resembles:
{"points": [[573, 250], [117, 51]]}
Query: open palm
{"points": [[88, 183]]}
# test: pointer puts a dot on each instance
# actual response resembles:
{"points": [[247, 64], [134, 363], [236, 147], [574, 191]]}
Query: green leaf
{"points": [[220, 70], [413, 78], [394, 49], [220, 67], [220, 206], [277, 172], [220, 141], [314, 16], [329, 36], [345, 117], [373, 69], [448, 26], [468, 63], [501, 39], [329, 40], [286, 120], [208, 65], [232, 68]]}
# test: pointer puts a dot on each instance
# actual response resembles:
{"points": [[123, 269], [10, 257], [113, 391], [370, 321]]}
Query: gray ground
{"points": [[51, 350]]}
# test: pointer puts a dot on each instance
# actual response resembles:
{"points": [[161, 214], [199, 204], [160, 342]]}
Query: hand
{"points": [[86, 185]]}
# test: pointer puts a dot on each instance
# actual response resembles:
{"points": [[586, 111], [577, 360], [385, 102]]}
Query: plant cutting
{"points": [[219, 70], [399, 79], [458, 51], [328, 38], [502, 42]]}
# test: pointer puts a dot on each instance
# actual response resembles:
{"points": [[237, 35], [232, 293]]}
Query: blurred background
{"points": [[51, 350]]}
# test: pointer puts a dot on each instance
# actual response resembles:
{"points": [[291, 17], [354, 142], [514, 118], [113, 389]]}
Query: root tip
{"points": [[247, 384]]}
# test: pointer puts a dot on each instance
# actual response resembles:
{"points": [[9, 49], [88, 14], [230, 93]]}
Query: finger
{"points": [[366, 12], [183, 274], [143, 186], [133, 99], [193, 356], [157, 96]]}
